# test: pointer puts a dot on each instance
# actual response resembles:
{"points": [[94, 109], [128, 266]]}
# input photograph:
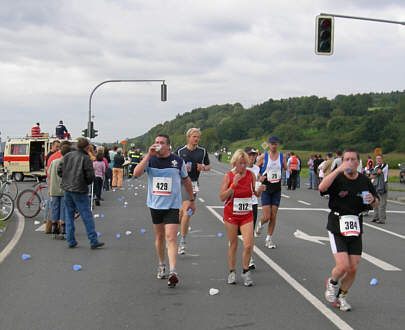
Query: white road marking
{"points": [[382, 264], [285, 196], [303, 202], [18, 233], [336, 320], [377, 262], [383, 230], [201, 200], [328, 210], [41, 228]]}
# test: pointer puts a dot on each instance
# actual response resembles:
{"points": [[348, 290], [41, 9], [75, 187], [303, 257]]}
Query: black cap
{"points": [[251, 150]]}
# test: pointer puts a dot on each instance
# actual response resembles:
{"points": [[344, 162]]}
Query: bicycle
{"points": [[6, 204], [31, 201], [10, 187]]}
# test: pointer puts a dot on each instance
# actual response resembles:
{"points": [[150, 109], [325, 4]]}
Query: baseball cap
{"points": [[250, 150], [274, 139]]}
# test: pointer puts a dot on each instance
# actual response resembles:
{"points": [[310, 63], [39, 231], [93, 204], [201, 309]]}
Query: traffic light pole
{"points": [[365, 18], [163, 95]]}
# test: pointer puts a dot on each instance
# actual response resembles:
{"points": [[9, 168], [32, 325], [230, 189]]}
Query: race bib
{"points": [[349, 225], [162, 186], [196, 189], [273, 176], [242, 205]]}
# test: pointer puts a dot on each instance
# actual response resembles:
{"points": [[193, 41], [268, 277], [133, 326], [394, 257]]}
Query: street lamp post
{"points": [[163, 95]]}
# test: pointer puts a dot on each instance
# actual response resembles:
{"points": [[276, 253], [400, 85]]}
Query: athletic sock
{"points": [[268, 237], [341, 292], [245, 271], [161, 263], [182, 239], [333, 282], [172, 270], [231, 270]]}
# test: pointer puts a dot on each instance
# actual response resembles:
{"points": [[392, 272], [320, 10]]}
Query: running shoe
{"points": [[232, 278], [342, 303], [173, 280], [182, 248], [252, 265], [270, 244], [161, 273], [258, 230], [331, 291], [247, 278]]}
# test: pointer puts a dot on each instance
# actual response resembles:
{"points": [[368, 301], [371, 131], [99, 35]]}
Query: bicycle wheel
{"points": [[11, 189], [29, 203], [6, 207]]}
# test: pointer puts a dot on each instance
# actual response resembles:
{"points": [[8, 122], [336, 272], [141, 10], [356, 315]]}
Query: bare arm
{"points": [[189, 188]]}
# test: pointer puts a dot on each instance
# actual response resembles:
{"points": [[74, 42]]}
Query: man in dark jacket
{"points": [[76, 171], [61, 130]]}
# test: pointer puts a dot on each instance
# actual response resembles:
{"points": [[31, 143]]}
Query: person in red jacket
{"points": [[36, 131]]}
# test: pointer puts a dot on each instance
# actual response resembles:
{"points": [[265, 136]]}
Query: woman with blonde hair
{"points": [[237, 189]]}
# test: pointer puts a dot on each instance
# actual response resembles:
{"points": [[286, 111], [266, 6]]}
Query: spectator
{"points": [[61, 131], [36, 131], [380, 183], [118, 169], [337, 161], [54, 148], [99, 170], [56, 193], [310, 164], [108, 170], [317, 161], [76, 170]]}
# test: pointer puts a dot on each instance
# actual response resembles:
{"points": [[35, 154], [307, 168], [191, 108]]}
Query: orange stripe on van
{"points": [[16, 158]]}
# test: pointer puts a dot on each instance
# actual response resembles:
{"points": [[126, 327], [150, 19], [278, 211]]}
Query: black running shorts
{"points": [[170, 216], [351, 245]]}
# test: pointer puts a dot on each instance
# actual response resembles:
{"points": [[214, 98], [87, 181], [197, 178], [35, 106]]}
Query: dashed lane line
{"points": [[201, 200], [303, 202], [336, 320]]}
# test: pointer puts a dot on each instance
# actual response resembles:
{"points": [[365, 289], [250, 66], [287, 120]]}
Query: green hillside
{"points": [[363, 121]]}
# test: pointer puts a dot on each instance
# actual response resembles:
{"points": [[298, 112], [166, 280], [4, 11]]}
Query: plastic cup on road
{"points": [[364, 194], [373, 282]]}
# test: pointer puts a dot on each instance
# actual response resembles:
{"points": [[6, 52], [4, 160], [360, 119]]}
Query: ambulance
{"points": [[26, 156]]}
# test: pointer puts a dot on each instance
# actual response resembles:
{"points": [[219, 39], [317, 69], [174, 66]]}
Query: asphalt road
{"points": [[117, 286]]}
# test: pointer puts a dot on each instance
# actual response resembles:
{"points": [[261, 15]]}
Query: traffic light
{"points": [[93, 132], [85, 132], [324, 35]]}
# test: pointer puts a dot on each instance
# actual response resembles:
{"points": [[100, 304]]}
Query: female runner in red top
{"points": [[237, 189]]}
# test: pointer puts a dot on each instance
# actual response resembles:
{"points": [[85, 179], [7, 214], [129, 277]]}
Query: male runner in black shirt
{"points": [[350, 193], [196, 159]]}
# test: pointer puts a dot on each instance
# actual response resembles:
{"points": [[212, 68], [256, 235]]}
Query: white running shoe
{"points": [[270, 244], [182, 248], [232, 278], [252, 263], [258, 229], [161, 273], [247, 278], [342, 304], [331, 291]]}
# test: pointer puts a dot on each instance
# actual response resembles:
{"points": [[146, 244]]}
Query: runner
{"points": [[270, 164], [350, 193], [252, 154], [196, 159], [237, 189], [166, 171]]}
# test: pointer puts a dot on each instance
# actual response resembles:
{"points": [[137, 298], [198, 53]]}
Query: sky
{"points": [[53, 53]]}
